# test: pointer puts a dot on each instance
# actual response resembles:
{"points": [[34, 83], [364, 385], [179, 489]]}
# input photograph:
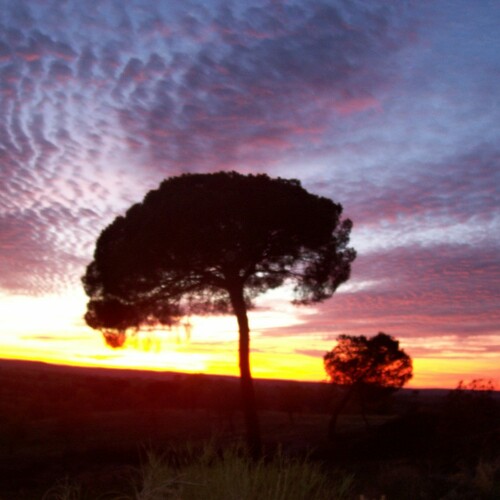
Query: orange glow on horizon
{"points": [[428, 373], [51, 334]]}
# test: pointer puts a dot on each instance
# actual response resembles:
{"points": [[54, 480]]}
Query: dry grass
{"points": [[211, 474], [232, 475]]}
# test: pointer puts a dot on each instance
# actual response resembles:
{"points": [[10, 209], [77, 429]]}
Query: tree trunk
{"points": [[246, 382], [338, 409]]}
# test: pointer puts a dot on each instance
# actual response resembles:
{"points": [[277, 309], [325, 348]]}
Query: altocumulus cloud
{"points": [[386, 108], [94, 100]]}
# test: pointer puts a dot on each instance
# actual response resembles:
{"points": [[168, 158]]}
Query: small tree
{"points": [[357, 362], [210, 243]]}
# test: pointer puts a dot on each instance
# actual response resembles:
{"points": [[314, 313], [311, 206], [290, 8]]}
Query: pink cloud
{"points": [[357, 105]]}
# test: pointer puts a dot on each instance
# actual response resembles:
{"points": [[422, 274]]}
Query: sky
{"points": [[390, 108]]}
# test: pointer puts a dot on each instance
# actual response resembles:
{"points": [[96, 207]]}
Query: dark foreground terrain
{"points": [[95, 428]]}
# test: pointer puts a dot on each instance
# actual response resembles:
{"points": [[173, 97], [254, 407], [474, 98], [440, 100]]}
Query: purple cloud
{"points": [[460, 188], [387, 109], [414, 291], [245, 97]]}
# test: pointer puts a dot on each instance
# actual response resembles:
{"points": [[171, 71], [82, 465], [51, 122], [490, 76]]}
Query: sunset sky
{"points": [[390, 108]]}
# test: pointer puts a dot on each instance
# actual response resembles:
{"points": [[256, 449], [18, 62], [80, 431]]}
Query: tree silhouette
{"points": [[358, 363], [209, 244]]}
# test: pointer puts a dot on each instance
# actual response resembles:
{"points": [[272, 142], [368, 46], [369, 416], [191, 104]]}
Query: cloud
{"points": [[390, 110], [424, 291], [20, 13], [357, 105], [86, 64], [98, 105], [37, 257], [59, 71], [257, 84], [314, 353], [54, 338], [459, 188]]}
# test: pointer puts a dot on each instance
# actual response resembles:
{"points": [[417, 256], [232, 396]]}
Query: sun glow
{"points": [[54, 332], [52, 329]]}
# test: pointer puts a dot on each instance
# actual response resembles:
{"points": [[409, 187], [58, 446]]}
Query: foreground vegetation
{"points": [[82, 435], [206, 474]]}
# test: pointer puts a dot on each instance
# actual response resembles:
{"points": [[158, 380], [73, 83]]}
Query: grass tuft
{"points": [[64, 490], [231, 474]]}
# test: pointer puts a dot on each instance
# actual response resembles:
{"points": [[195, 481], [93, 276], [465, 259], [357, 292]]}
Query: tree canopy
{"points": [[358, 361], [199, 235], [377, 360], [211, 243]]}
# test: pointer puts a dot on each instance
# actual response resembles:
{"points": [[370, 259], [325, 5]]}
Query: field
{"points": [[82, 433]]}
